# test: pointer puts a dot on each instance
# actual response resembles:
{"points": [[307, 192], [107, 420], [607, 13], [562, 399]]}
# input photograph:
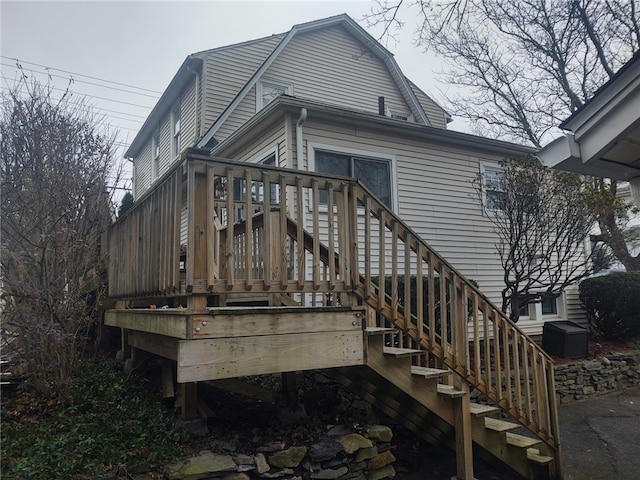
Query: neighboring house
{"points": [[327, 97], [602, 136]]}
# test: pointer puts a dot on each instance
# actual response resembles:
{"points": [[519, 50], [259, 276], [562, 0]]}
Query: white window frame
{"points": [[312, 147], [176, 140], [155, 156], [286, 86], [535, 310], [399, 114], [484, 166]]}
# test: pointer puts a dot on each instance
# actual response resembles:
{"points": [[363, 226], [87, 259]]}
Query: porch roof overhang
{"points": [[330, 113], [603, 137]]}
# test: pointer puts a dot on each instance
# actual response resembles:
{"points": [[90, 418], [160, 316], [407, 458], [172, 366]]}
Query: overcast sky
{"points": [[143, 43]]}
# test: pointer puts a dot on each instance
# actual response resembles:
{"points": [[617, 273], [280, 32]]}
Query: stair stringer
{"points": [[415, 402]]}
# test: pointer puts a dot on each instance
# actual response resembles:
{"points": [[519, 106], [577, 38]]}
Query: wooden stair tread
{"points": [[534, 455], [427, 372], [522, 441], [479, 410], [402, 352], [379, 330], [499, 425], [449, 391]]}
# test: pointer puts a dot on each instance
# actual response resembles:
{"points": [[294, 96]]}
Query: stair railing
{"points": [[411, 287]]}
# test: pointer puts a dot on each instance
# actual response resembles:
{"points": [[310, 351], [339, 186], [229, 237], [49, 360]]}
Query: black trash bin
{"points": [[565, 339]]}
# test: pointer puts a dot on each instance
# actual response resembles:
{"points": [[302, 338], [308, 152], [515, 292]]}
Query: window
{"points": [[175, 130], [269, 91], [493, 188], [545, 307], [549, 306], [155, 153], [375, 174], [399, 114]]}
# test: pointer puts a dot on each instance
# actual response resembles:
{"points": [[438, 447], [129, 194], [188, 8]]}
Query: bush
{"points": [[612, 303], [113, 424]]}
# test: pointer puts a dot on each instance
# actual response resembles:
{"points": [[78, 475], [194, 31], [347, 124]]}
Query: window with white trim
{"points": [[269, 91], [544, 309], [374, 173], [155, 156], [175, 130], [493, 194], [399, 114]]}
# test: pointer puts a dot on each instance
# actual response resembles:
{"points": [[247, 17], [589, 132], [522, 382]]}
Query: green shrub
{"points": [[612, 303], [112, 423]]}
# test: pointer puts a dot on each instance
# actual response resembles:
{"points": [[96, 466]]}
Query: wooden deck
{"points": [[334, 275]]}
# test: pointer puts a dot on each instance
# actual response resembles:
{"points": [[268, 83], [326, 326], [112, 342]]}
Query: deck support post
{"points": [[189, 400], [464, 439]]}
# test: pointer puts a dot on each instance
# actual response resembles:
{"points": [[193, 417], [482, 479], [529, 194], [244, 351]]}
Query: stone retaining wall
{"points": [[578, 381], [342, 454]]}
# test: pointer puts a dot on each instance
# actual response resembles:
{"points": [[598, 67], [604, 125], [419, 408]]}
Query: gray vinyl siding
{"points": [[228, 69], [436, 115], [142, 171], [330, 66], [435, 197], [340, 72], [188, 117]]}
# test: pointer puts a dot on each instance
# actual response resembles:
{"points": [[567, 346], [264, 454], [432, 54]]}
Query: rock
{"points": [[324, 450], [244, 459], [289, 458], [204, 465], [271, 447], [379, 433], [386, 472], [353, 442], [261, 463], [366, 454], [592, 365], [282, 473], [380, 461], [338, 430], [330, 474], [236, 476]]}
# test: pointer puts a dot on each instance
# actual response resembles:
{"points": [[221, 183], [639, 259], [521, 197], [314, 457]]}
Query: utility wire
{"points": [[74, 80], [80, 74]]}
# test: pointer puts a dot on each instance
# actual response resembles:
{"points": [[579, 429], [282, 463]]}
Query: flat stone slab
{"points": [[204, 465]]}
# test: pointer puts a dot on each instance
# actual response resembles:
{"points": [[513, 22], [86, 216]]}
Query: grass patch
{"points": [[113, 422]]}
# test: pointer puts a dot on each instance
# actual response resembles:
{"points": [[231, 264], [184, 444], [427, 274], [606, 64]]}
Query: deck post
{"points": [[189, 400], [464, 439]]}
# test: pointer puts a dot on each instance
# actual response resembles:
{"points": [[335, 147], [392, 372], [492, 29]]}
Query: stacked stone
{"points": [[592, 377], [341, 455]]}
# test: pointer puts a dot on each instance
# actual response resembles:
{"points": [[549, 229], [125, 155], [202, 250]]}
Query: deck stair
{"points": [[414, 388], [398, 322]]}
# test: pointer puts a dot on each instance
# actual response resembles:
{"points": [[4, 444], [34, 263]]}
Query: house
{"points": [[602, 136], [271, 101], [303, 178]]}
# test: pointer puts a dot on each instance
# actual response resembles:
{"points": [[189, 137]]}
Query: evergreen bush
{"points": [[612, 303]]}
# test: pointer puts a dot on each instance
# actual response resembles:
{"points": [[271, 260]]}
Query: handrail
{"points": [[217, 226], [452, 321]]}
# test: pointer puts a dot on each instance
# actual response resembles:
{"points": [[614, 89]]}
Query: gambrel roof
{"points": [[272, 48]]}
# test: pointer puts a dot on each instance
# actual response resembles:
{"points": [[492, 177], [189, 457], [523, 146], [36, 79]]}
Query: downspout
{"points": [[299, 160], [299, 149]]}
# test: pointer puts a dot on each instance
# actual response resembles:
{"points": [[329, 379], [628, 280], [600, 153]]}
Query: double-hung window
{"points": [[493, 188], [374, 173], [175, 130]]}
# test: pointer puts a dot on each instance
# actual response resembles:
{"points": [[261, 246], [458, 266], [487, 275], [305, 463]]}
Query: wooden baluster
{"points": [[266, 243], [331, 237], [367, 247], [381, 266], [420, 297], [249, 261], [230, 260], [284, 267], [315, 230], [302, 259]]}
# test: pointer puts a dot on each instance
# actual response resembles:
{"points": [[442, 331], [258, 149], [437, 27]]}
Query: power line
{"points": [[73, 80], [94, 96], [80, 74]]}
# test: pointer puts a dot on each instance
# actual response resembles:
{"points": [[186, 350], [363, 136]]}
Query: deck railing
{"points": [[217, 226]]}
